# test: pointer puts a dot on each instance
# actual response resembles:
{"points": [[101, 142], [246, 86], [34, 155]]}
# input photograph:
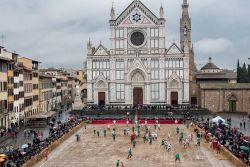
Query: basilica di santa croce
{"points": [[138, 68]]}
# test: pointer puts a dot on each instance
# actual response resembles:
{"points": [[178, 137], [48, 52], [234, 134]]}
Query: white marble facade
{"points": [[138, 58]]}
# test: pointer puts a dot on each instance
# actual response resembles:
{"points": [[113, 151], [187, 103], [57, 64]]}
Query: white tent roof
{"points": [[216, 119]]}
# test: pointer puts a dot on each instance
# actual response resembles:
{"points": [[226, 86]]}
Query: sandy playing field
{"points": [[93, 151]]}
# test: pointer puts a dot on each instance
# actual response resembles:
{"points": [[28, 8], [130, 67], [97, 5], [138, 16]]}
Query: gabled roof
{"points": [[101, 50], [131, 7], [174, 49]]}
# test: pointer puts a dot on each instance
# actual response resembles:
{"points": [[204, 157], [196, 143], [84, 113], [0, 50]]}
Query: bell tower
{"points": [[185, 28]]}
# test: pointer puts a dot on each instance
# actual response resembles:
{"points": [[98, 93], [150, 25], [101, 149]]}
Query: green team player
{"points": [[150, 140], [177, 130], [104, 132], [155, 126], [134, 142], [147, 130], [181, 137], [144, 138], [98, 133], [198, 141], [130, 153], [118, 163], [177, 157], [133, 129], [113, 135]]}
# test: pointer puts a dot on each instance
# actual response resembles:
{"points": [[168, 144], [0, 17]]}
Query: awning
{"points": [[42, 115]]}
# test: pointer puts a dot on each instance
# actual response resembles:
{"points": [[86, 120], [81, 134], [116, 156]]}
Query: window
{"points": [[120, 92], [35, 75], [119, 64], [119, 34], [154, 69], [119, 75], [155, 91], [28, 102], [16, 85], [16, 97], [35, 98], [154, 32], [130, 62]]}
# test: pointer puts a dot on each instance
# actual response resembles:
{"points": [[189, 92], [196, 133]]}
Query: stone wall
{"points": [[217, 100], [51, 147]]}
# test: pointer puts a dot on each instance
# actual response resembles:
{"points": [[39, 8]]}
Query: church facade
{"points": [[138, 68]]}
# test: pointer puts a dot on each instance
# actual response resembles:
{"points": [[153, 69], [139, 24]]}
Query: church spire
{"points": [[161, 12], [185, 27], [112, 13]]}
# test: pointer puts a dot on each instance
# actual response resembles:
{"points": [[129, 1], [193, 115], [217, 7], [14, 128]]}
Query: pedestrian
{"points": [[122, 165], [98, 133], [94, 132], [118, 163], [104, 132], [244, 125], [85, 126], [177, 157], [240, 125], [130, 153], [24, 133]]}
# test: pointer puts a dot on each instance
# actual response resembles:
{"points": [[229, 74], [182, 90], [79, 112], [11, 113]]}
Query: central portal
{"points": [[138, 96], [174, 98], [101, 98]]}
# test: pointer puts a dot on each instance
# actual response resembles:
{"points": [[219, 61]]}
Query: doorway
{"points": [[232, 106], [193, 101], [174, 98], [101, 98], [137, 96]]}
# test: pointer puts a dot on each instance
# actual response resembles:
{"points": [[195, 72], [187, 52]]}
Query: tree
{"points": [[244, 74], [239, 78], [248, 70]]}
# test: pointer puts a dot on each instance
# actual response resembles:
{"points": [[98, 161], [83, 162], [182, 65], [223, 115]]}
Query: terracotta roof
{"points": [[225, 86], [210, 66], [224, 74]]}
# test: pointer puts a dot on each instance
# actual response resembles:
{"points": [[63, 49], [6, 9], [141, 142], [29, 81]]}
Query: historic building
{"points": [[138, 68]]}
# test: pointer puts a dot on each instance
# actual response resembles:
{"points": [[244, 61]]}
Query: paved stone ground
{"points": [[236, 119], [93, 151]]}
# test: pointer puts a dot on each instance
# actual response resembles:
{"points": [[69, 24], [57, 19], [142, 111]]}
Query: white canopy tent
{"points": [[217, 119]]}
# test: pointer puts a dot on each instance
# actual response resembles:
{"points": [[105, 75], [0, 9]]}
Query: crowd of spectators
{"points": [[231, 138], [17, 157]]}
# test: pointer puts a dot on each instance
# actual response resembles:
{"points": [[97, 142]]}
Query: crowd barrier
{"points": [[52, 146], [227, 154], [123, 122]]}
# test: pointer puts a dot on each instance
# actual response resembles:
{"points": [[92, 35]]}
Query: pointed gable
{"points": [[101, 51], [174, 49], [125, 15]]}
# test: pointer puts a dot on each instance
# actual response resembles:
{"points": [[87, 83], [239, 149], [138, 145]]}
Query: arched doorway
{"points": [[174, 98], [101, 98], [232, 101], [137, 96]]}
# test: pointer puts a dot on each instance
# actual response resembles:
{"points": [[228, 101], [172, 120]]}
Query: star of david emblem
{"points": [[136, 17]]}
